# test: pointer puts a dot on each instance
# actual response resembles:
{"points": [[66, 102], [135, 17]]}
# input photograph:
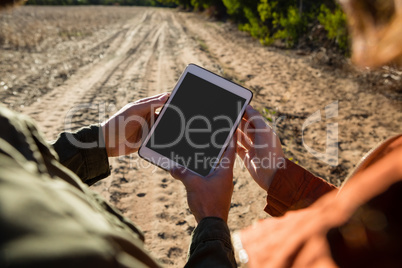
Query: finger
{"points": [[152, 104], [151, 98], [245, 154], [263, 133], [231, 150], [241, 152], [244, 140], [255, 118], [247, 160], [247, 128], [227, 160], [244, 125], [180, 173], [246, 115], [162, 98]]}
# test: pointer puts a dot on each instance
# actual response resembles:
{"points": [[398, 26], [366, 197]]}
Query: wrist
{"points": [[278, 163], [219, 216]]}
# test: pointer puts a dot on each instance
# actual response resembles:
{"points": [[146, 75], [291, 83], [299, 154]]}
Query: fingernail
{"points": [[179, 170], [177, 167], [164, 97]]}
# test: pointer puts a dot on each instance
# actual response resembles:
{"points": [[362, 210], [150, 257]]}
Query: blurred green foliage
{"points": [[334, 23], [287, 20], [267, 20], [291, 25]]}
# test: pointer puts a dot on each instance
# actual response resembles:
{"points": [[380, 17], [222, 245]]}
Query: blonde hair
{"points": [[10, 3], [376, 31]]}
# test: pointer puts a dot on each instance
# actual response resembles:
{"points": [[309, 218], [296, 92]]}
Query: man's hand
{"points": [[210, 196], [259, 148], [124, 131]]}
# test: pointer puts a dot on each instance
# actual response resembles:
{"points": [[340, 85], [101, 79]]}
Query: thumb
{"points": [[159, 102], [231, 150], [227, 161], [180, 173], [152, 104]]}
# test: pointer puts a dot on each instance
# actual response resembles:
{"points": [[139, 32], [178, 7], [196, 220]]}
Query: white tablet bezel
{"points": [[165, 162]]}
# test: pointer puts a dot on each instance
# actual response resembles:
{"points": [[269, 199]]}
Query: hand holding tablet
{"points": [[196, 123]]}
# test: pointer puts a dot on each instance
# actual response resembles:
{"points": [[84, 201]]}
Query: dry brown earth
{"points": [[143, 54]]}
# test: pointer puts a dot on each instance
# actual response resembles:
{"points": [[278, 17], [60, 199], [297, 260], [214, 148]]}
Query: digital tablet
{"points": [[196, 123]]}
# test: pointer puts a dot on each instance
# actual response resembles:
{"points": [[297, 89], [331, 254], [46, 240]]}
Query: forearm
{"points": [[293, 188], [211, 245], [84, 153]]}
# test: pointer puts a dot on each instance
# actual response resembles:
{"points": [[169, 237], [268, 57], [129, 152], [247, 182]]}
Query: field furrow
{"points": [[76, 77]]}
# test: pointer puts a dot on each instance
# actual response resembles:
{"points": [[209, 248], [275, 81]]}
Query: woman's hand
{"points": [[259, 148], [210, 196], [125, 130]]}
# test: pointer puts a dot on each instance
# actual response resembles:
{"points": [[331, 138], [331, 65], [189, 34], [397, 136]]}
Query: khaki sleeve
{"points": [[211, 245], [84, 153], [293, 188]]}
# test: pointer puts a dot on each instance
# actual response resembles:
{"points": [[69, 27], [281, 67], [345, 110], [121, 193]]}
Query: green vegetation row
{"points": [[290, 22]]}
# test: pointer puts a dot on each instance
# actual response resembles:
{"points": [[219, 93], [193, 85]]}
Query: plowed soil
{"points": [[91, 77]]}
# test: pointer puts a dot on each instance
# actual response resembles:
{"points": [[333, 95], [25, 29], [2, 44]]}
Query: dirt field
{"points": [[123, 54]]}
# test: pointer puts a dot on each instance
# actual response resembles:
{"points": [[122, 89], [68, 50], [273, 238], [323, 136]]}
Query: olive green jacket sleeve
{"points": [[84, 153], [211, 245], [48, 217]]}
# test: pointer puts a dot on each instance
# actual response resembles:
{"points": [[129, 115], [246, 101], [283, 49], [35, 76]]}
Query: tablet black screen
{"points": [[196, 124]]}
